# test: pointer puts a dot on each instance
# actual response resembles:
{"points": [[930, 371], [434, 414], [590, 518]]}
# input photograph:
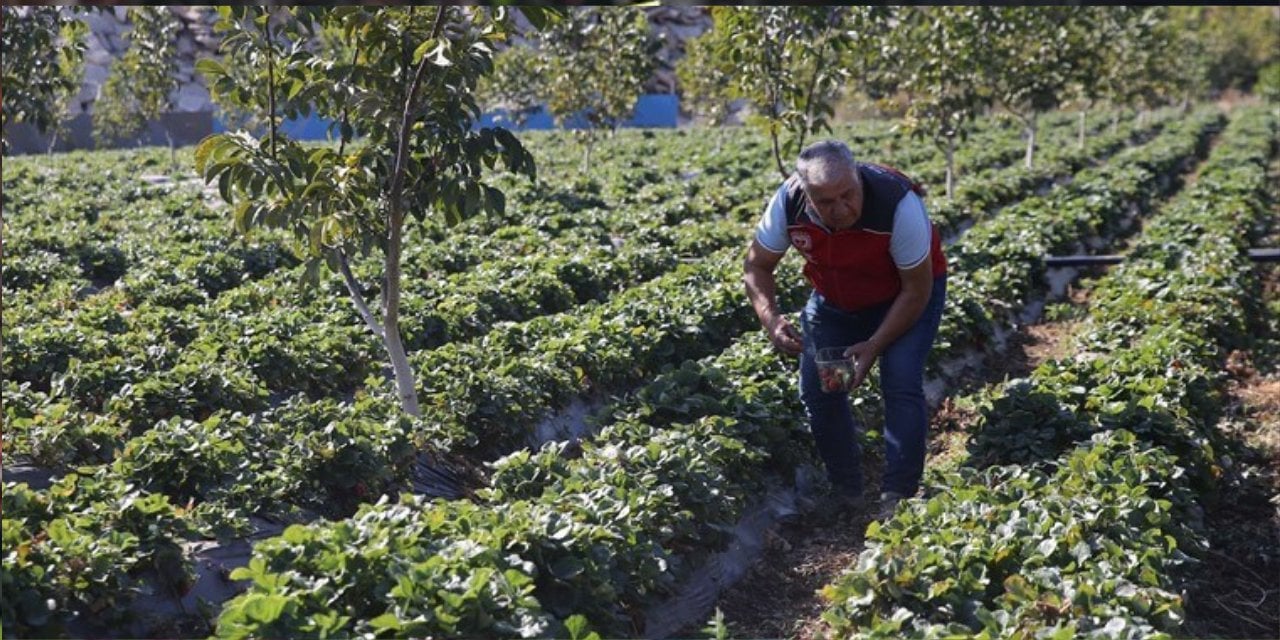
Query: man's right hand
{"points": [[784, 337]]}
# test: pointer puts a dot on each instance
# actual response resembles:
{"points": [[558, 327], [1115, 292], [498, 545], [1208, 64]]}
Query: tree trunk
{"points": [[1115, 122], [777, 155], [1031, 138], [951, 167], [1083, 115], [173, 151], [405, 382], [586, 155]]}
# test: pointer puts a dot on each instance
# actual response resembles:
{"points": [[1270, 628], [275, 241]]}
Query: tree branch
{"points": [[391, 297], [342, 131], [271, 85], [353, 287], [813, 84]]}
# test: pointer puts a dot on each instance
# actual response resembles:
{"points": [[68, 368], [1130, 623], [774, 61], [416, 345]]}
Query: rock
{"points": [[193, 97], [97, 54], [186, 45], [186, 70], [208, 41], [37, 478], [95, 74], [682, 32], [100, 23]]}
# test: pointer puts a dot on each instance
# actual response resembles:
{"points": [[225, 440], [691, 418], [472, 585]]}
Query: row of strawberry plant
{"points": [[77, 553], [1090, 513], [1003, 259]]}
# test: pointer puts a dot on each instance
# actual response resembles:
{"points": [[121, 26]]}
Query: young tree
{"points": [[1087, 85], [706, 82], [937, 56], [594, 64], [785, 64], [139, 84], [408, 90], [516, 84], [1139, 71], [1031, 54], [36, 86], [71, 70]]}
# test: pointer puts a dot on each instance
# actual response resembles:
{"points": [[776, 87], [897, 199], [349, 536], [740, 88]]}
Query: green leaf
{"points": [[577, 626], [540, 17], [264, 608], [423, 49], [386, 622], [210, 68]]}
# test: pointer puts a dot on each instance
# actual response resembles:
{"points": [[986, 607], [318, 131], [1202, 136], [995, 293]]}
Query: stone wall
{"points": [[196, 40], [106, 42]]}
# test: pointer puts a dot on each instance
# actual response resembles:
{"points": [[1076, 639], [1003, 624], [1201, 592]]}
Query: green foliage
{"points": [[705, 81], [409, 90], [333, 201], [1127, 60], [1224, 47], [1268, 87], [936, 56], [517, 83], [593, 64], [138, 87], [784, 64], [37, 85]]}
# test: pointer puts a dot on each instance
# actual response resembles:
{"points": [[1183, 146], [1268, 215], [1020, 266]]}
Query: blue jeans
{"points": [[901, 385]]}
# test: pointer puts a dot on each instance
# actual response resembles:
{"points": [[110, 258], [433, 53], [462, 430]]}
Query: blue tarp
{"points": [[652, 110]]}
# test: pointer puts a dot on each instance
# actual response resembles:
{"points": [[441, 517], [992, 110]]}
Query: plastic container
{"points": [[835, 371]]}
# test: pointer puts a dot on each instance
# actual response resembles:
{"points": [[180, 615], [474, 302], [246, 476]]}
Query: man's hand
{"points": [[757, 274], [784, 336], [864, 355]]}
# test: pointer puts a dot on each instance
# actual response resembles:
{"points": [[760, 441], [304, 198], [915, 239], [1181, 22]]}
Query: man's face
{"points": [[837, 203]]}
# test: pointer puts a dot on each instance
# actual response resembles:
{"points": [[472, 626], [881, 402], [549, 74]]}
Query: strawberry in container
{"points": [[835, 370]]}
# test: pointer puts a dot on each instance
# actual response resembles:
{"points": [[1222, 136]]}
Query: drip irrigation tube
{"points": [[1054, 262]]}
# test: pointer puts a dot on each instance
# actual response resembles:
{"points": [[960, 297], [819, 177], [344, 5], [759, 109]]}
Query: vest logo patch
{"points": [[802, 240]]}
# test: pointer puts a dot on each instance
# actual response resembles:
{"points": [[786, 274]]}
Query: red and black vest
{"points": [[852, 268]]}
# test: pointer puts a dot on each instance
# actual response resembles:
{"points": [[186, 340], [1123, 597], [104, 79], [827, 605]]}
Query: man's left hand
{"points": [[864, 355]]}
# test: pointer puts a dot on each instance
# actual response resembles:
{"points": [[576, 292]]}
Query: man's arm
{"points": [[762, 289], [917, 287]]}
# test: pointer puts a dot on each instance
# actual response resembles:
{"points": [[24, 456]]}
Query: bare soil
{"points": [[779, 597]]}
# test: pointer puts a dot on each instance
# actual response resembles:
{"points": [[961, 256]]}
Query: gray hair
{"points": [[823, 162]]}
